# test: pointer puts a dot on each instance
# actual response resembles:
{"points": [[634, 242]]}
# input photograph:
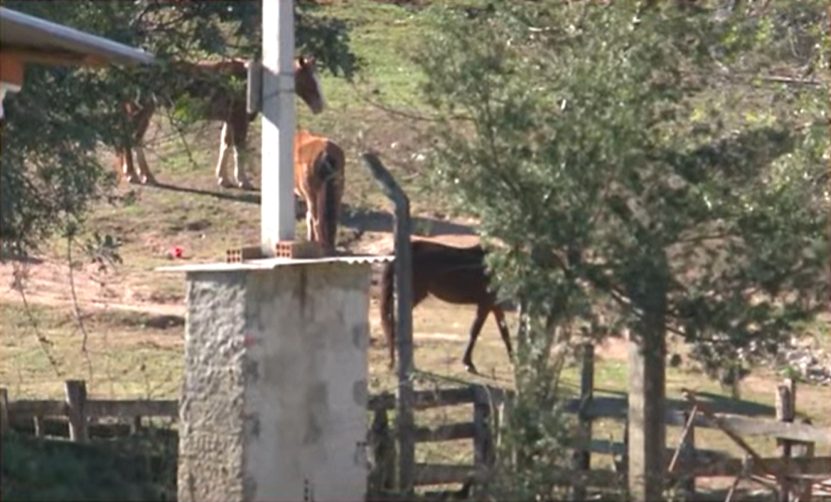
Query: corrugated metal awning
{"points": [[34, 35], [273, 263]]}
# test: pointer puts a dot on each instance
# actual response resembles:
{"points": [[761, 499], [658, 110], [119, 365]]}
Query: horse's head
{"points": [[307, 85]]}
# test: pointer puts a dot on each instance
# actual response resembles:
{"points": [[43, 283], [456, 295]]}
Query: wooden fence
{"points": [[794, 470], [76, 417], [479, 429]]}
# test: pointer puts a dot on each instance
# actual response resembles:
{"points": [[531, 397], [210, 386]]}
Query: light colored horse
{"points": [[319, 177], [228, 107]]}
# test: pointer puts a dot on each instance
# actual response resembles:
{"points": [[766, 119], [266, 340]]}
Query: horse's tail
{"points": [[387, 310], [327, 170]]}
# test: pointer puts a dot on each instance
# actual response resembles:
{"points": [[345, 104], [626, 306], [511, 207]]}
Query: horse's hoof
{"points": [[471, 368], [225, 183], [148, 180], [245, 185]]}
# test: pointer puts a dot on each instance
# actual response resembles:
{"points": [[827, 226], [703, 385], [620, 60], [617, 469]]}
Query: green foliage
{"points": [[568, 131], [534, 451], [631, 168], [50, 173], [103, 251], [124, 469]]}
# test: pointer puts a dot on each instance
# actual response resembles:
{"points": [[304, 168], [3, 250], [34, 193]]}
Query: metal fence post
{"points": [[404, 327]]}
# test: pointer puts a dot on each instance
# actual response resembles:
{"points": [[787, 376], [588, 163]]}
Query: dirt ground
{"points": [[46, 283]]}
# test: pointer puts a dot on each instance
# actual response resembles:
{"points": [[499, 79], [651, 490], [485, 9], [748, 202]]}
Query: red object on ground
{"points": [[177, 251]]}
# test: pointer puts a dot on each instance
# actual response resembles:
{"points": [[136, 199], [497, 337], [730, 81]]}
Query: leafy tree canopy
{"points": [[50, 172], [635, 163]]}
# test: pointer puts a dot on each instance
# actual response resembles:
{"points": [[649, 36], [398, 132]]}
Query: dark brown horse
{"points": [[228, 107], [319, 178], [455, 275]]}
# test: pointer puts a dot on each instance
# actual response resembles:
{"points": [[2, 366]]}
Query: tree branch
{"points": [[43, 342], [76, 309]]}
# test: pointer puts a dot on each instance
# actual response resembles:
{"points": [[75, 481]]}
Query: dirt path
{"points": [[47, 283]]}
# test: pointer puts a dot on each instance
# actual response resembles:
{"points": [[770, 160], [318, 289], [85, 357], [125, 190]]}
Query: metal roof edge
{"points": [[274, 263], [83, 41]]}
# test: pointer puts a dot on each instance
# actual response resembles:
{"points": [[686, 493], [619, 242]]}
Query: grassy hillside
{"points": [[132, 351], [374, 111], [134, 315]]}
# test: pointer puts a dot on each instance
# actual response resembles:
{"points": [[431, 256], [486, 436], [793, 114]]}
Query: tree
{"points": [[632, 168], [49, 171]]}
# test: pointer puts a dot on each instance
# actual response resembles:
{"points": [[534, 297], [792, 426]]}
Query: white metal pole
{"points": [[278, 126]]}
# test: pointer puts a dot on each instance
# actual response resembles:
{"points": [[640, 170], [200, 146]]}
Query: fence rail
{"points": [[795, 472], [479, 429], [74, 415], [51, 417], [25, 409]]}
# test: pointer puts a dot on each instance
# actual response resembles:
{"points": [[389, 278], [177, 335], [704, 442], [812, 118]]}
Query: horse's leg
{"points": [[482, 312], [142, 118], [120, 166], [125, 158], [224, 143], [144, 174], [503, 329], [389, 308], [240, 126], [239, 171], [311, 231], [124, 154]]}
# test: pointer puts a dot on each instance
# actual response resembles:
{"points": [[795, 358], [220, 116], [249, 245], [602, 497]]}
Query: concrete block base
{"points": [[273, 405]]}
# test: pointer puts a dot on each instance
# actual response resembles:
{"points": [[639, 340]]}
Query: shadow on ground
{"points": [[358, 219], [714, 402], [381, 221], [250, 197]]}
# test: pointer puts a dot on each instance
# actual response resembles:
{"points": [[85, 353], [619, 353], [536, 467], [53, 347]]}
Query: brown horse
{"points": [[228, 107], [319, 178], [455, 275]]}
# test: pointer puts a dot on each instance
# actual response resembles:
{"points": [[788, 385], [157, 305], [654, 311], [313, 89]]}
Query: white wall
{"points": [[278, 357]]}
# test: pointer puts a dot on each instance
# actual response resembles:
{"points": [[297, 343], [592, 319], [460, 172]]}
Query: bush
{"points": [[134, 468]]}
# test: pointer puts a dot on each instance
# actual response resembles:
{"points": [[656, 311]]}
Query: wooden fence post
{"points": [[383, 452], [76, 397], [785, 400], [687, 454], [4, 411], [40, 430], [786, 412], [484, 449], [135, 425], [582, 457], [622, 465], [804, 449], [504, 409], [483, 454]]}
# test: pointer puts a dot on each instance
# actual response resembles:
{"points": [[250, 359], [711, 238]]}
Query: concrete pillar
{"points": [[273, 405], [278, 127]]}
